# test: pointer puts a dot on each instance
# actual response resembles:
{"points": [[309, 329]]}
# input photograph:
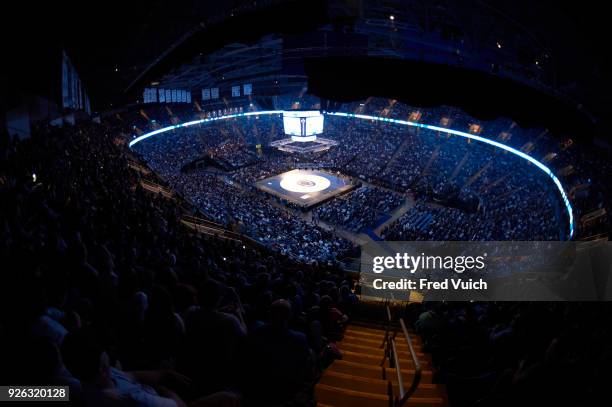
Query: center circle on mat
{"points": [[304, 183]]}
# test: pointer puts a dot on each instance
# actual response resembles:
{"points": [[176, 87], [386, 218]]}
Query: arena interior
{"points": [[186, 189]]}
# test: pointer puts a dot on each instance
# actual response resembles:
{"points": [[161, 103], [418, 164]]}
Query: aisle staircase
{"points": [[367, 375]]}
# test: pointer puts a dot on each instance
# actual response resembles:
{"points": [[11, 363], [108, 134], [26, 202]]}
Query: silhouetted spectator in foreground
{"points": [[280, 359], [213, 340], [104, 385]]}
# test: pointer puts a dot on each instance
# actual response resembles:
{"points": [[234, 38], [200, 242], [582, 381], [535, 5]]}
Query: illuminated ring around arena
{"points": [[514, 151], [304, 183]]}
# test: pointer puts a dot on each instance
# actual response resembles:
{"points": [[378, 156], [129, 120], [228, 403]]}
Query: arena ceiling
{"points": [[553, 47]]}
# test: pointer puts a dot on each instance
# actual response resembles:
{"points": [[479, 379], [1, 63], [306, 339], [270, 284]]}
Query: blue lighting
{"points": [[514, 151]]}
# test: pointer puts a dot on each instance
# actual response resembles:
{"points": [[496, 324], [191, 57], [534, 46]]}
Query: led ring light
{"points": [[514, 151]]}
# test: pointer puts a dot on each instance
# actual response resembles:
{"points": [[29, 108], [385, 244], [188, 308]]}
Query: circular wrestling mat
{"points": [[304, 183]]}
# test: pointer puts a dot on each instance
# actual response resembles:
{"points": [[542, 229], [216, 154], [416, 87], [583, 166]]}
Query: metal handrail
{"points": [[417, 368], [390, 353], [398, 371], [387, 325]]}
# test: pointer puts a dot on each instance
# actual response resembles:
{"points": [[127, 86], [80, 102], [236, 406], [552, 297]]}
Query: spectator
{"points": [[279, 358]]}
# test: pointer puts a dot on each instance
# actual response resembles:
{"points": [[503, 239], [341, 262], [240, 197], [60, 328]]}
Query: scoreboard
{"points": [[303, 125]]}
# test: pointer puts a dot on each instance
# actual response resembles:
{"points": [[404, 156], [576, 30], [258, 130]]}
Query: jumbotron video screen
{"points": [[303, 125]]}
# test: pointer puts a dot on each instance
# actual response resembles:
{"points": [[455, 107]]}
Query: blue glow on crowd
{"points": [[505, 147]]}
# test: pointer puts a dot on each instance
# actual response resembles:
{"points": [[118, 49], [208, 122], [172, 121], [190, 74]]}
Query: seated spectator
{"points": [[213, 340], [106, 385], [332, 319], [279, 359], [163, 328]]}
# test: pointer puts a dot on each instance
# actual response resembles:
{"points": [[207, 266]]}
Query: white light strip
{"points": [[202, 121], [514, 151], [303, 139]]}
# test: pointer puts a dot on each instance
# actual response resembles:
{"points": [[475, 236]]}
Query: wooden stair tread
{"points": [[376, 359], [355, 347], [391, 375], [372, 380], [352, 347], [363, 394], [357, 369], [407, 363], [374, 342], [372, 337], [356, 364], [374, 334], [365, 328], [373, 385], [374, 371], [357, 379], [374, 327], [378, 334], [349, 355], [353, 377], [351, 398]]}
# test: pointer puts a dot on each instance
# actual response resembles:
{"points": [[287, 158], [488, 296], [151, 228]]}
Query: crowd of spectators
{"points": [[501, 219], [272, 163], [105, 291], [232, 155], [510, 353], [433, 222], [223, 201], [360, 208], [499, 194]]}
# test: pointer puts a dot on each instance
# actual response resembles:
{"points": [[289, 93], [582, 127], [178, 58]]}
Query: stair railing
{"points": [[387, 324], [390, 353], [404, 396]]}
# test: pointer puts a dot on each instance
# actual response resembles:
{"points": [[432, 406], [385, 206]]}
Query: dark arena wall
{"points": [[417, 83]]}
